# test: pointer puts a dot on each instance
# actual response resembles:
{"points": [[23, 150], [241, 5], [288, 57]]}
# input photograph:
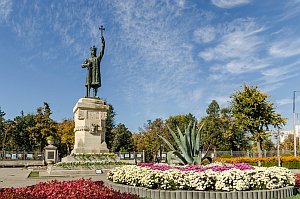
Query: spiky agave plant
{"points": [[190, 144]]}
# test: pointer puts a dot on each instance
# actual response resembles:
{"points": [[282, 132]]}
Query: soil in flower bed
{"points": [[81, 188]]}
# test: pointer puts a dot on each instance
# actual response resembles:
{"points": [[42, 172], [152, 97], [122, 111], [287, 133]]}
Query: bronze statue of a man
{"points": [[93, 77]]}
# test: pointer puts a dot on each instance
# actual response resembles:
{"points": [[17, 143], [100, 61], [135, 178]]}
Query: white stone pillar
{"points": [[90, 116]]}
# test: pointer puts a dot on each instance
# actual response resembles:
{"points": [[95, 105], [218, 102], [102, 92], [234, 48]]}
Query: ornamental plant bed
{"points": [[81, 188], [213, 177], [88, 165], [297, 181], [289, 162]]}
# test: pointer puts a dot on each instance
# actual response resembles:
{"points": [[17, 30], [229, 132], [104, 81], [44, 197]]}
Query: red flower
{"points": [[81, 188]]}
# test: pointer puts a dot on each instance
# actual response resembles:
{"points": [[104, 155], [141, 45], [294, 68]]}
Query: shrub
{"points": [[225, 155]]}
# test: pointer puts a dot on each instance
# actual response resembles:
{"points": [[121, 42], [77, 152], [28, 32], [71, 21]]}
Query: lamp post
{"points": [[294, 123], [277, 137]]}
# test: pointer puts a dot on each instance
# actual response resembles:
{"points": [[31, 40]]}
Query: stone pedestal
{"points": [[51, 156], [90, 115]]}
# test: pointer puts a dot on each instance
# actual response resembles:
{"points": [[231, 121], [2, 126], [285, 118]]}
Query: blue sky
{"points": [[162, 58]]}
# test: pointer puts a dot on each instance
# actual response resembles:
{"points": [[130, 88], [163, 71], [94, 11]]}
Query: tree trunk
{"points": [[259, 148]]}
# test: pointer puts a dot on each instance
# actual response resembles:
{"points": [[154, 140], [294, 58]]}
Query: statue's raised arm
{"points": [[101, 53]]}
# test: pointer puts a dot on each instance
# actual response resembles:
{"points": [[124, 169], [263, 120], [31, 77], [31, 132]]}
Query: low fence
{"points": [[252, 154], [20, 155], [140, 156], [185, 194], [21, 159]]}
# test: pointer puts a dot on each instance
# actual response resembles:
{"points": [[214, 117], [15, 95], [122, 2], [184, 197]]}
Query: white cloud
{"points": [[292, 9], [180, 3], [238, 66], [277, 74], [285, 48], [166, 65], [5, 9], [239, 39], [236, 51], [205, 34], [285, 101], [230, 3]]}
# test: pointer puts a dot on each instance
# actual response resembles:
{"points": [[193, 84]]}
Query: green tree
{"points": [[109, 126], [233, 134], [152, 142], [213, 109], [65, 133], [9, 138], [180, 121], [137, 140], [255, 114], [121, 139], [22, 138], [2, 128], [213, 131], [288, 143], [44, 127]]}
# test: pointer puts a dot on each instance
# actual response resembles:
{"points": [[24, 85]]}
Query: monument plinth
{"points": [[90, 115]]}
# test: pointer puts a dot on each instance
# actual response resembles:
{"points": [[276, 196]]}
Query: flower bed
{"points": [[235, 177], [67, 189], [87, 164], [256, 160], [297, 183]]}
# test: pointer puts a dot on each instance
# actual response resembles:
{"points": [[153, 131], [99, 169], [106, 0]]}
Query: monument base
{"points": [[89, 116]]}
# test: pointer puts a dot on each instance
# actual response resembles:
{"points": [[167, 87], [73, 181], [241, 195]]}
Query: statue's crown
{"points": [[93, 48]]}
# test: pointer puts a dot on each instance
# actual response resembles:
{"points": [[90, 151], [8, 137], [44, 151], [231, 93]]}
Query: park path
{"points": [[17, 177]]}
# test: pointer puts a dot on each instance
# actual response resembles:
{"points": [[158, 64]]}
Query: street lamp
{"points": [[277, 135], [294, 121]]}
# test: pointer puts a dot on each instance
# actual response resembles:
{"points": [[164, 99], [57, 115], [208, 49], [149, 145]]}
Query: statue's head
{"points": [[93, 51]]}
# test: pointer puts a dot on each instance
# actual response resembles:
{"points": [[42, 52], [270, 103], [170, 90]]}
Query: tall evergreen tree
{"points": [[213, 130], [22, 139], [2, 128], [110, 125], [44, 126], [121, 139]]}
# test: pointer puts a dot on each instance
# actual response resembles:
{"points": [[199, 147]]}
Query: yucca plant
{"points": [[190, 145]]}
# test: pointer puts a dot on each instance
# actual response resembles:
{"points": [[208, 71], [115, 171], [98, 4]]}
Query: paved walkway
{"points": [[17, 177]]}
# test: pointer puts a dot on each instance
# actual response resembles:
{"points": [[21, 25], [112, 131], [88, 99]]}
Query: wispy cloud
{"points": [[285, 101], [237, 48], [285, 48], [229, 3], [5, 9], [278, 74], [205, 34], [168, 65], [292, 9], [238, 39]]}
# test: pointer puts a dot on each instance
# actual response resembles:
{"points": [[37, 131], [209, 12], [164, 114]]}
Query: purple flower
{"points": [[164, 167]]}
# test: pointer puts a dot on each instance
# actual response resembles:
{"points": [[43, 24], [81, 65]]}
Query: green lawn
{"points": [[34, 174]]}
